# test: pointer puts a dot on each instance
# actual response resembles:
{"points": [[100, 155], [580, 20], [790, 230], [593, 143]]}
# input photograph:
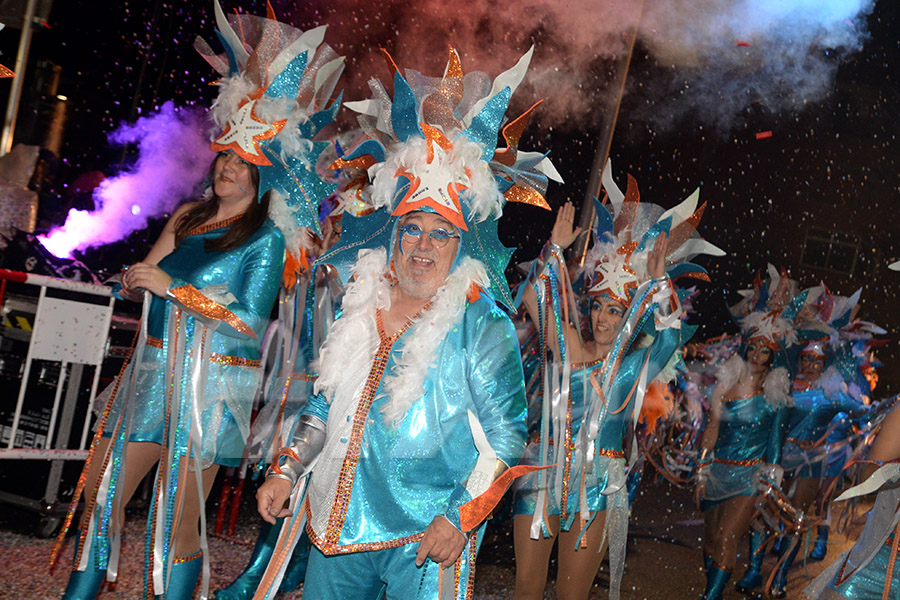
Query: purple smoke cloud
{"points": [[173, 160]]}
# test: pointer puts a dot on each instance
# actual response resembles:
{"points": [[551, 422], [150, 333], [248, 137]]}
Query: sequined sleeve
{"points": [[661, 350], [497, 388], [777, 435], [316, 406]]}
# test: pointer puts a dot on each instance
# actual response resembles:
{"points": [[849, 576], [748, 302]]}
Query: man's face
{"points": [[424, 250]]}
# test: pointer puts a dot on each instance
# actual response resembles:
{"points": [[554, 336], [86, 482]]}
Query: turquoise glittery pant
{"points": [[391, 574]]}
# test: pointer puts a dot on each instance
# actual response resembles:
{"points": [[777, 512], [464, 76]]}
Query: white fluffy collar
{"points": [[776, 387], [347, 354]]}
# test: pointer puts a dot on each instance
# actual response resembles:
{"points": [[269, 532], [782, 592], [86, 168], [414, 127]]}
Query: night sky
{"points": [[830, 162]]}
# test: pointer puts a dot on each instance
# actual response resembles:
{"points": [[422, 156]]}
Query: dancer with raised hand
{"points": [[594, 382]]}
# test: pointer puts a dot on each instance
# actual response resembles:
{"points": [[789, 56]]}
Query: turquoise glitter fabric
{"points": [[414, 471], [861, 573], [751, 434], [812, 414], [252, 274], [611, 433]]}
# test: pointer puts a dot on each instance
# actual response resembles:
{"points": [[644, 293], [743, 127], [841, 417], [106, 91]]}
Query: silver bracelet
{"points": [[273, 475]]}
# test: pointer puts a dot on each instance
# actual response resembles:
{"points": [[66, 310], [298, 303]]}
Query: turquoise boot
{"points": [[246, 583], [820, 549], [183, 577], [716, 579], [752, 579], [779, 584]]}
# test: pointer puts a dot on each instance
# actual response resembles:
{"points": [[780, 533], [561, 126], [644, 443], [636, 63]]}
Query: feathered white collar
{"points": [[831, 383], [776, 386], [347, 354]]}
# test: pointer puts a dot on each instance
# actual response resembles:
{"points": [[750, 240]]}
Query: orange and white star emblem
{"points": [[243, 133]]}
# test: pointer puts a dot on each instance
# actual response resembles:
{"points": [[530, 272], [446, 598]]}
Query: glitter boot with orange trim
{"points": [[184, 576]]}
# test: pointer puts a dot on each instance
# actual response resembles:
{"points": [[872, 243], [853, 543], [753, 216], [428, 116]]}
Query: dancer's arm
{"points": [[561, 237], [708, 442]]}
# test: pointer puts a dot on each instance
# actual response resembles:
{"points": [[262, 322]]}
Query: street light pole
{"points": [[15, 91], [604, 143]]}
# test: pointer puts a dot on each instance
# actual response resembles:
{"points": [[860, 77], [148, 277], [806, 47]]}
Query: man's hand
{"points": [[443, 543], [270, 499]]}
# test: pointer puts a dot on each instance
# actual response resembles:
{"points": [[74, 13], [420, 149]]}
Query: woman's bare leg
{"points": [[712, 517], [578, 566], [140, 458], [805, 495], [187, 533], [737, 513], [532, 557]]}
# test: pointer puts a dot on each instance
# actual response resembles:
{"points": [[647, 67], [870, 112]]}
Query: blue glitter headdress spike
{"points": [[625, 230], [434, 147], [274, 98]]}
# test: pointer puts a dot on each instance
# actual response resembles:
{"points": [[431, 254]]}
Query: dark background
{"points": [[818, 197]]}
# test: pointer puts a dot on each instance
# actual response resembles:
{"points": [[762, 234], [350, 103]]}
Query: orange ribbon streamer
{"points": [[476, 510]]}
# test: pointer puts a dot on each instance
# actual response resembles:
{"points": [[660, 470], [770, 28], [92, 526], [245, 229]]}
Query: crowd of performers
{"points": [[396, 410]]}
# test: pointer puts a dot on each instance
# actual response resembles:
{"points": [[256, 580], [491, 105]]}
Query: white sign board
{"points": [[70, 331]]}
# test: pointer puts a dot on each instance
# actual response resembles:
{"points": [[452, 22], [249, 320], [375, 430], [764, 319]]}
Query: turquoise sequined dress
{"points": [[245, 280], [812, 414], [751, 434], [608, 445]]}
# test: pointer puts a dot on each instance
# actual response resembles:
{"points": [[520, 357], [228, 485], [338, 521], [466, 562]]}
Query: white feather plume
{"points": [[777, 388], [463, 161], [728, 372]]}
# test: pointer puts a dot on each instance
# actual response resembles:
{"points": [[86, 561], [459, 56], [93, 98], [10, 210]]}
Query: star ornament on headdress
{"points": [[816, 348], [436, 187], [244, 131], [616, 278], [770, 328]]}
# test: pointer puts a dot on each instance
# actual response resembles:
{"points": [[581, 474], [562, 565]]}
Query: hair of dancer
{"points": [[209, 283], [744, 436], [602, 376]]}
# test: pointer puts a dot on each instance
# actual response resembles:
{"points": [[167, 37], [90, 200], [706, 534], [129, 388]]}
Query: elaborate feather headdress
{"points": [[625, 230], [273, 100], [433, 147]]}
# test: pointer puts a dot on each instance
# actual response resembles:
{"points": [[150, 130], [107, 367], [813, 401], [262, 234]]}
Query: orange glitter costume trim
{"points": [[738, 463], [610, 453], [183, 559], [215, 225], [194, 300], [330, 543], [222, 359]]}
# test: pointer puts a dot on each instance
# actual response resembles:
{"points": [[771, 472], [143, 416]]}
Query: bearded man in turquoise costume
{"points": [[420, 402]]}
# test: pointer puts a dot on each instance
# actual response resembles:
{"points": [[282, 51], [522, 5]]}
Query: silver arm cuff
{"points": [[664, 290], [309, 440]]}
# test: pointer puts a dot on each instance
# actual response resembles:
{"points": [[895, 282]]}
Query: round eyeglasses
{"points": [[412, 233]]}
